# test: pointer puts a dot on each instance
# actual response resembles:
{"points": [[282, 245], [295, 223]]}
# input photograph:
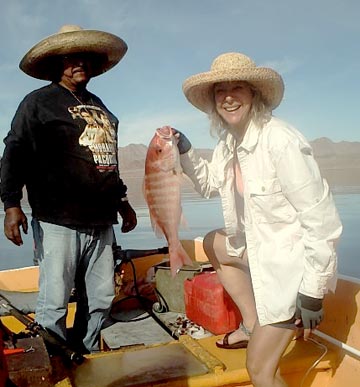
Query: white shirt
{"points": [[287, 214]]}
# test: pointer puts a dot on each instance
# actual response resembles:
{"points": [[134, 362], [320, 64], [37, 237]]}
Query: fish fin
{"points": [[183, 222], [157, 230], [178, 258]]}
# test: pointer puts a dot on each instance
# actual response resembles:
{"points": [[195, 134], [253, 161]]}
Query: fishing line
{"points": [[144, 302], [317, 361]]}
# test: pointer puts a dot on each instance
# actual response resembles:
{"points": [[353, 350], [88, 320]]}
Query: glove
{"points": [[183, 143], [309, 310]]}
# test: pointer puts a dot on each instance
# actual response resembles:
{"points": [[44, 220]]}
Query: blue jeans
{"points": [[74, 258]]}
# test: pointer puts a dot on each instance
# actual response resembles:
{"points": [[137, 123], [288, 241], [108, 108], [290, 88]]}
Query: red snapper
{"points": [[162, 193]]}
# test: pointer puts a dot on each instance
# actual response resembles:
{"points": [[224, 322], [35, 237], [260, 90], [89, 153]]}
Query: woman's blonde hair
{"points": [[259, 113]]}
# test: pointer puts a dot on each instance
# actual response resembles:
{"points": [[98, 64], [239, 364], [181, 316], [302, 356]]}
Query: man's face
{"points": [[76, 70]]}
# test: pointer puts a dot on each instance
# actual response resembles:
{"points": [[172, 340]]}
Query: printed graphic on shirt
{"points": [[99, 135]]}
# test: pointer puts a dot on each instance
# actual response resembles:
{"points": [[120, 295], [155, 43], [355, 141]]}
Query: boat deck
{"points": [[132, 359], [196, 363]]}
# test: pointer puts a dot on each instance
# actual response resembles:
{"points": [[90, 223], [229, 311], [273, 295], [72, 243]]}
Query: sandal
{"points": [[237, 345]]}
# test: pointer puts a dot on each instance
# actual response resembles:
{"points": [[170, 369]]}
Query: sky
{"points": [[313, 44]]}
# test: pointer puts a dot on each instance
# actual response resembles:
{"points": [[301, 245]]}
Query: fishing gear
{"points": [[35, 329], [126, 256]]}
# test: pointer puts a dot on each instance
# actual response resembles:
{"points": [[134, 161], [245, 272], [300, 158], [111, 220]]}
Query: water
{"points": [[202, 216]]}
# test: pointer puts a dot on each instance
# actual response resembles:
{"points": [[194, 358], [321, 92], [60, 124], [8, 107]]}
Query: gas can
{"points": [[4, 374], [208, 304]]}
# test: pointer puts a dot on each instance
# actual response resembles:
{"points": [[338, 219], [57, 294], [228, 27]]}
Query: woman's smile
{"points": [[231, 108]]}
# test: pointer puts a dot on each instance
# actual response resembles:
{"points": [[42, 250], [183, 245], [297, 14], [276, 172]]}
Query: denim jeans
{"points": [[74, 258]]}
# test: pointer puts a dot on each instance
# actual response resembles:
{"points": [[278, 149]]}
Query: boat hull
{"points": [[198, 362]]}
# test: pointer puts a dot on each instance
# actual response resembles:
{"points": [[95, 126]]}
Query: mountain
{"points": [[343, 155], [132, 157], [325, 147], [339, 164]]}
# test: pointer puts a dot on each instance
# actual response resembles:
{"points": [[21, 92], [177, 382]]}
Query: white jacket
{"points": [[287, 214]]}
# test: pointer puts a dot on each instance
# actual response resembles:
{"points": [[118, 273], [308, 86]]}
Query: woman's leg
{"points": [[234, 275], [266, 346]]}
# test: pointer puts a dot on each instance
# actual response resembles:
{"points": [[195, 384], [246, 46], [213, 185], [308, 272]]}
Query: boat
{"points": [[330, 359]]}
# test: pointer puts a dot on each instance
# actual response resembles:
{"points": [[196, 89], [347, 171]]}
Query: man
{"points": [[62, 147]]}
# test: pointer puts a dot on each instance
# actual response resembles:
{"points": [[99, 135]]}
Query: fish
{"points": [[162, 192]]}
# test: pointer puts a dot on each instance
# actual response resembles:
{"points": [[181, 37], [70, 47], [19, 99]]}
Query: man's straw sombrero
{"points": [[198, 89], [107, 49]]}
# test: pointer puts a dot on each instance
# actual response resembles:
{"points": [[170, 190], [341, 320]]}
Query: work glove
{"points": [[183, 142], [309, 310]]}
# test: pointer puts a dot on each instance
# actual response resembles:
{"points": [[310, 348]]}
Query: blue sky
{"points": [[314, 44]]}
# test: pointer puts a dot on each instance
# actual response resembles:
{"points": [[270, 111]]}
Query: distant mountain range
{"points": [[331, 156], [339, 164], [132, 156]]}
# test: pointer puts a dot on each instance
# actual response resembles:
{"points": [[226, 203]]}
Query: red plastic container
{"points": [[4, 374], [208, 304]]}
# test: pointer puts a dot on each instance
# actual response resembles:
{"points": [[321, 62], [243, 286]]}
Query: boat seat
{"points": [[23, 301]]}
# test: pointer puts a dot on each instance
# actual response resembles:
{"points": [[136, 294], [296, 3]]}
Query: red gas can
{"points": [[208, 304]]}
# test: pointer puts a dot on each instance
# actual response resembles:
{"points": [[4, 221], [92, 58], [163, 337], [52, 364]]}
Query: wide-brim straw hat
{"points": [[233, 66], [107, 50]]}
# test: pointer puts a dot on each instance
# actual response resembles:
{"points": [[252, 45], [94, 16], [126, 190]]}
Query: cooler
{"points": [[209, 305]]}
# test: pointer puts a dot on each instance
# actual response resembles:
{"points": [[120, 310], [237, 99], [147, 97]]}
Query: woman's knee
{"points": [[208, 242], [213, 245], [258, 374]]}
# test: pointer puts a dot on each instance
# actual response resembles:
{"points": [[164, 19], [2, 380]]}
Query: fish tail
{"points": [[178, 258]]}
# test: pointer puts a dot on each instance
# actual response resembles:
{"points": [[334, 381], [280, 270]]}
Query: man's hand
{"points": [[183, 142], [129, 217], [14, 219], [309, 313]]}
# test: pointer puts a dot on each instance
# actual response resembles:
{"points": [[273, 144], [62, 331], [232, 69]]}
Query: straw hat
{"points": [[40, 60], [232, 66]]}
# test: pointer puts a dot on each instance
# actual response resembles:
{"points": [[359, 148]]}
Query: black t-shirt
{"points": [[64, 150]]}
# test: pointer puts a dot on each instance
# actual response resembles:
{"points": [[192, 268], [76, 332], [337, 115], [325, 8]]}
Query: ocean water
{"points": [[201, 217]]}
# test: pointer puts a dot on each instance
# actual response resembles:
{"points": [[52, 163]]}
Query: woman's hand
{"points": [[309, 313], [183, 142]]}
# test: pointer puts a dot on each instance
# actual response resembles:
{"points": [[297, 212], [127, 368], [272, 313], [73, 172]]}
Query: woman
{"points": [[276, 255]]}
